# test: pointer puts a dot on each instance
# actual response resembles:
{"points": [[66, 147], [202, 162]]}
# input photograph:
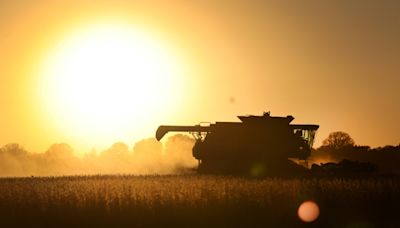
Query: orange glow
{"points": [[308, 211], [218, 61], [106, 80]]}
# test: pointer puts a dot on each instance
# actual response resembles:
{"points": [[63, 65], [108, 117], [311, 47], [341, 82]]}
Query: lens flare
{"points": [[308, 211]]}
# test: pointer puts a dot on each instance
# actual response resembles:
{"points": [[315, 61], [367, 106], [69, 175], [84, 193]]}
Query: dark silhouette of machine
{"points": [[258, 145]]}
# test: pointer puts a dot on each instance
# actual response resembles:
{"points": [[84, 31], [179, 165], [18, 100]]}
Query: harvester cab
{"points": [[256, 145]]}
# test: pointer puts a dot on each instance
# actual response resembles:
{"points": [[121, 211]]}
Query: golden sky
{"points": [[335, 64]]}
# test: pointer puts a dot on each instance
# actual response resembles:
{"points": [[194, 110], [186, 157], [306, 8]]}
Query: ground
{"points": [[196, 201]]}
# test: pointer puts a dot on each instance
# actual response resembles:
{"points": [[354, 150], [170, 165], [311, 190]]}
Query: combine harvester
{"points": [[258, 145]]}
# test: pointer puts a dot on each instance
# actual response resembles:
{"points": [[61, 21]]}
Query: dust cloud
{"points": [[147, 156]]}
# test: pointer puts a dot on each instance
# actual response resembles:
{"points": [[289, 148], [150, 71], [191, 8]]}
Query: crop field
{"points": [[195, 201]]}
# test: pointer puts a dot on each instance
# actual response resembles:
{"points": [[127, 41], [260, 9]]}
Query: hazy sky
{"points": [[336, 64]]}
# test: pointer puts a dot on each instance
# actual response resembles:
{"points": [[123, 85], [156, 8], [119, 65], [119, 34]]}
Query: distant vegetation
{"points": [[339, 146], [195, 201], [149, 156]]}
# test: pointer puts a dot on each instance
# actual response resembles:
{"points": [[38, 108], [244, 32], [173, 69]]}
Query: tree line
{"points": [[339, 146], [147, 156]]}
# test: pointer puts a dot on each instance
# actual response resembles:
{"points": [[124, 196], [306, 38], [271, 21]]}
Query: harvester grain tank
{"points": [[256, 145]]}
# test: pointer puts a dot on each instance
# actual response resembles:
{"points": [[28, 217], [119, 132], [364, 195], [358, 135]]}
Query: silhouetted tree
{"points": [[15, 160], [338, 140], [118, 149], [14, 149], [147, 150], [59, 159], [60, 151], [117, 155]]}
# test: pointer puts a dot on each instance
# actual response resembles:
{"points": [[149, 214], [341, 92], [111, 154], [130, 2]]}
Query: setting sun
{"points": [[107, 81]]}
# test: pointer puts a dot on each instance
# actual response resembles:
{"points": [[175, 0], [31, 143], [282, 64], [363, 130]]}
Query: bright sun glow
{"points": [[109, 82]]}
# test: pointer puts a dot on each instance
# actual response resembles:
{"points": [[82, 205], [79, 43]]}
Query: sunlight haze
{"points": [[91, 73]]}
